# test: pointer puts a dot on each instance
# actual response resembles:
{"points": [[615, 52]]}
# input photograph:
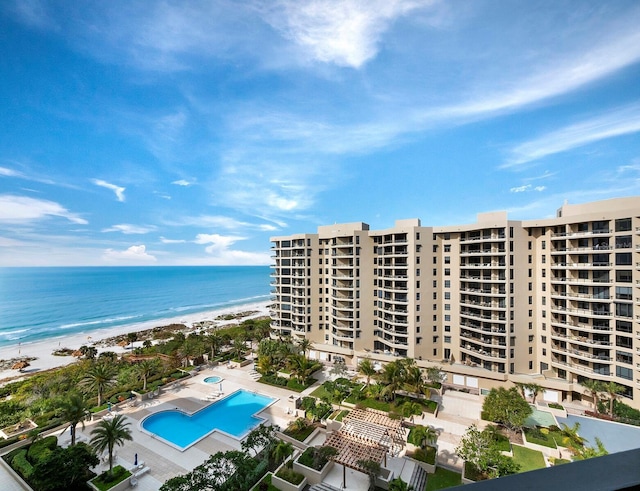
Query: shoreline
{"points": [[41, 352]]}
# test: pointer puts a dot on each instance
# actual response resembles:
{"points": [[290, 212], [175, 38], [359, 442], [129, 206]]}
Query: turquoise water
{"points": [[212, 380], [41, 303], [540, 418], [234, 415]]}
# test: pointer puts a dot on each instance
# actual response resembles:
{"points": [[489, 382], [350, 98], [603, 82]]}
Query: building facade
{"points": [[553, 302]]}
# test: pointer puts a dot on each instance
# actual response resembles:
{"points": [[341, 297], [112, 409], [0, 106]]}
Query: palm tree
{"points": [[415, 382], [214, 341], [367, 369], [74, 410], [570, 437], [595, 387], [423, 436], [304, 345], [410, 408], [281, 451], [99, 377], [108, 433], [145, 369], [188, 350], [300, 367], [239, 346], [613, 390], [522, 388], [375, 391], [535, 389]]}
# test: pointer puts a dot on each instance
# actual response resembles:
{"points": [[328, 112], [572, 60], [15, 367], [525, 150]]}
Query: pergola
{"points": [[366, 434]]}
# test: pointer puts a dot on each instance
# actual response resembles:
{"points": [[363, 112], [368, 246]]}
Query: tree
{"points": [[281, 451], [300, 366], [410, 408], [64, 468], [99, 377], [108, 433], [595, 387], [423, 436], [262, 437], [145, 369], [415, 382], [239, 346], [535, 389], [132, 337], [436, 375], [586, 452], [304, 345], [506, 407], [338, 370], [189, 349], [372, 469], [613, 390], [480, 449], [74, 410], [367, 369], [223, 471], [570, 437]]}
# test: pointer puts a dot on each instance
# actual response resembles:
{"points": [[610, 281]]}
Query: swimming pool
{"points": [[214, 379], [540, 418], [234, 415]]}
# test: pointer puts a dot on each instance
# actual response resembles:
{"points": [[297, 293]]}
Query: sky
{"points": [[190, 132]]}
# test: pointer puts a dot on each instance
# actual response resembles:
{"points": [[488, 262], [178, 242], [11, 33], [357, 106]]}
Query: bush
{"points": [[21, 464], [427, 455], [40, 449], [553, 405], [290, 475], [107, 480]]}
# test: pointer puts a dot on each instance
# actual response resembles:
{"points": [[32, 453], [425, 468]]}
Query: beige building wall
{"points": [[550, 301]]}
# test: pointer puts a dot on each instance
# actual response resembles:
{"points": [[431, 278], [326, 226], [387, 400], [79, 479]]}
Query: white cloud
{"points": [[526, 187], [221, 254], [134, 254], [343, 32], [164, 240], [520, 189], [9, 242], [182, 182], [615, 123], [4, 171], [225, 222], [128, 229], [22, 209], [119, 191]]}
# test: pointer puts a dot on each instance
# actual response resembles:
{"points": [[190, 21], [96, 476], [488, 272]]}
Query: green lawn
{"points": [[442, 479], [320, 392], [528, 459]]}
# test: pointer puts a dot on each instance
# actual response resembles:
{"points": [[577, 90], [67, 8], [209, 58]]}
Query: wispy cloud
{"points": [[344, 32], [615, 123], [182, 182], [219, 249], [164, 240], [22, 209], [527, 187], [129, 229], [134, 254], [5, 171], [221, 221], [118, 190]]}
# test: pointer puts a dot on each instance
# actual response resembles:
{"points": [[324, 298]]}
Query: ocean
{"points": [[41, 303]]}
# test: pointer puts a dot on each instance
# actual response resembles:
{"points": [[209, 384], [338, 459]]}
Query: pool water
{"points": [[540, 418], [233, 415], [212, 380]]}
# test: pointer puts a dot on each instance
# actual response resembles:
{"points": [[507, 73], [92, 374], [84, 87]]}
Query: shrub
{"points": [[290, 475], [427, 455], [40, 449], [21, 464], [553, 405]]}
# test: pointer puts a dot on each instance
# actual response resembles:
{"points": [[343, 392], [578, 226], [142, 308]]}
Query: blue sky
{"points": [[180, 133]]}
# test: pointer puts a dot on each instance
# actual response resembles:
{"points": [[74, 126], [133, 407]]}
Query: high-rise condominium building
{"points": [[553, 301]]}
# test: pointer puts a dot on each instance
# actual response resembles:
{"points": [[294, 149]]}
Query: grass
{"points": [[267, 480], [547, 439], [320, 392], [443, 478], [528, 459], [302, 434]]}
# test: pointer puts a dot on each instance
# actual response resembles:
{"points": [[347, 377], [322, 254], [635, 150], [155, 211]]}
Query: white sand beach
{"points": [[42, 351]]}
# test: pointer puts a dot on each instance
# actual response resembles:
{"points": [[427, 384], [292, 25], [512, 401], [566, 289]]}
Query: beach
{"points": [[40, 353]]}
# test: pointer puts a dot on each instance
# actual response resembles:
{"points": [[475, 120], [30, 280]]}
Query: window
{"points": [[435, 248], [623, 224], [623, 258], [530, 300], [530, 288], [624, 293], [530, 365], [447, 339], [529, 259], [447, 306], [530, 350], [623, 276], [624, 310], [544, 244], [447, 248], [447, 284], [531, 338], [544, 258], [435, 260], [435, 297], [447, 295], [447, 272], [624, 372], [544, 339], [435, 328], [447, 328], [435, 339], [447, 259], [529, 246], [544, 351]]}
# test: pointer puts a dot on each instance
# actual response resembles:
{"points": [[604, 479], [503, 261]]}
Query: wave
{"points": [[11, 335], [108, 320]]}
